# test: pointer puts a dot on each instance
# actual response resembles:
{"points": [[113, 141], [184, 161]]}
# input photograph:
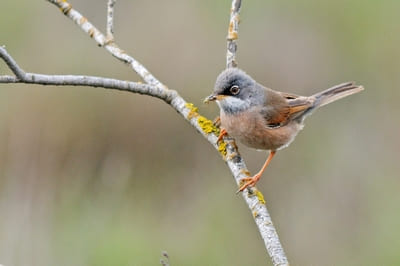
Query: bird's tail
{"points": [[335, 93]]}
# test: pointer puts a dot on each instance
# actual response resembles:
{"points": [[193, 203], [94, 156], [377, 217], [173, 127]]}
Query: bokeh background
{"points": [[97, 177]]}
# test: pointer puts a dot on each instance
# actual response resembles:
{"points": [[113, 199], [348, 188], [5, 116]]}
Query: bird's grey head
{"points": [[235, 91]]}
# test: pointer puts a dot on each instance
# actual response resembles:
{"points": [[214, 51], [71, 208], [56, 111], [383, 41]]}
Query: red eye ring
{"points": [[234, 89]]}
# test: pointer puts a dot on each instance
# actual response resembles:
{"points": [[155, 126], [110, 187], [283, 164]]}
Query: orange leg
{"points": [[217, 121], [222, 133], [251, 181]]}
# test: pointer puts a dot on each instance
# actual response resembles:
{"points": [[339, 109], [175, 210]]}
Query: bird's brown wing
{"points": [[298, 105], [281, 108]]}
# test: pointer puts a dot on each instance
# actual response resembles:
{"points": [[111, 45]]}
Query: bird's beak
{"points": [[213, 97], [210, 98]]}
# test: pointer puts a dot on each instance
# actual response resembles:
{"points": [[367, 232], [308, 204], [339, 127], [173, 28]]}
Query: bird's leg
{"points": [[251, 181], [217, 121], [222, 133]]}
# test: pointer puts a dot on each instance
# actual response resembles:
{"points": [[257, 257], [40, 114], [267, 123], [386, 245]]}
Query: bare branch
{"points": [[233, 34], [110, 20], [88, 81], [77, 80]]}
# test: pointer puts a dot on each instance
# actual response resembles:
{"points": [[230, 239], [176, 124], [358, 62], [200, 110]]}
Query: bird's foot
{"points": [[222, 133], [248, 182]]}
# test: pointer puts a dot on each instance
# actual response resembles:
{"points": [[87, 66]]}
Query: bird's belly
{"points": [[250, 129]]}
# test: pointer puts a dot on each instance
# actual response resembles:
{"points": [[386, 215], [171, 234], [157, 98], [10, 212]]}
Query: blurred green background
{"points": [[97, 177]]}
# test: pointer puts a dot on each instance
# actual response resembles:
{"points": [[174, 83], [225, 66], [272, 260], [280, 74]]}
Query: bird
{"points": [[262, 118]]}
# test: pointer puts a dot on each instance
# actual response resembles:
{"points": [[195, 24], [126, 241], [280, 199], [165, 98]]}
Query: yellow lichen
{"points": [[222, 148], [192, 107], [260, 196], [207, 125], [232, 35], [193, 110], [232, 32]]}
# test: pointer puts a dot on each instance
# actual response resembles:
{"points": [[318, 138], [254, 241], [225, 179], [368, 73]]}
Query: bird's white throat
{"points": [[232, 105]]}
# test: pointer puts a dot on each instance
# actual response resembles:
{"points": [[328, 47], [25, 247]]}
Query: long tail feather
{"points": [[335, 93]]}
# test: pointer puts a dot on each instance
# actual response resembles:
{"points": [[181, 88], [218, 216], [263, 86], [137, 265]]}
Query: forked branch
{"points": [[153, 87]]}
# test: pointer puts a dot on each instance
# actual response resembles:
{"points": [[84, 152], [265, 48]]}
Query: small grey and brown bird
{"points": [[263, 118]]}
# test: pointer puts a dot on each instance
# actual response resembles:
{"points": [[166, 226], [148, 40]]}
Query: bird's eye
{"points": [[234, 89]]}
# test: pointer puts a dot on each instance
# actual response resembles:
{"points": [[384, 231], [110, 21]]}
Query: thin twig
{"points": [[165, 260], [110, 20], [233, 34]]}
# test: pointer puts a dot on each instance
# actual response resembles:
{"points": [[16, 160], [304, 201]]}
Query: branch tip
{"points": [[110, 20], [233, 34]]}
